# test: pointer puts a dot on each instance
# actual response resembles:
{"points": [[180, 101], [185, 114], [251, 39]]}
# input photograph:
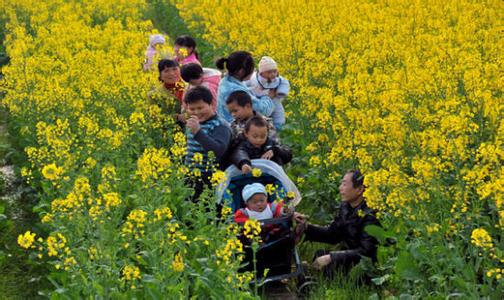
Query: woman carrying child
{"points": [[239, 66]]}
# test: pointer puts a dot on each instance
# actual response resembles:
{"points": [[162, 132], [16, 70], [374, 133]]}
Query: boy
{"points": [[255, 143], [195, 75], [239, 104], [267, 81], [257, 207], [205, 132]]}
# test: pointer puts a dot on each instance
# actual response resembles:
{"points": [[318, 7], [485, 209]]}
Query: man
{"points": [[347, 227]]}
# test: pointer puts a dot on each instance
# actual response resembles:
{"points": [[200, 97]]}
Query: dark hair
{"points": [[257, 121], [191, 71], [357, 178], [187, 41], [199, 93], [235, 62], [241, 98], [166, 63]]}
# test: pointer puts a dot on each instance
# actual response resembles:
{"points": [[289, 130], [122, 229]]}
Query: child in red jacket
{"points": [[258, 208]]}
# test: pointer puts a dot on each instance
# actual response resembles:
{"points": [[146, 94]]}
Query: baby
{"points": [[267, 81], [257, 207]]}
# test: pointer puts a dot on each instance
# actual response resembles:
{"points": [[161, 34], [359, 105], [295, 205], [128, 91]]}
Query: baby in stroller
{"points": [[257, 207]]}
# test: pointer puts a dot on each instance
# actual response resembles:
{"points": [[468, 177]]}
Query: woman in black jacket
{"points": [[256, 143], [348, 228]]}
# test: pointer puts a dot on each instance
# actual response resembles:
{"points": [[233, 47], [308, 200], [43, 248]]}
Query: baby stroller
{"points": [[277, 252]]}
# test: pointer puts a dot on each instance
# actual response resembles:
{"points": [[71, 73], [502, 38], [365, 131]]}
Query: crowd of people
{"points": [[234, 114]]}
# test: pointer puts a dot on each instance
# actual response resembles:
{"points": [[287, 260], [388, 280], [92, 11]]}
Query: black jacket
{"points": [[348, 227], [245, 151]]}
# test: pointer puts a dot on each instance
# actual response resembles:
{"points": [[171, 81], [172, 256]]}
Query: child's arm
{"points": [[283, 89], [218, 141], [241, 159]]}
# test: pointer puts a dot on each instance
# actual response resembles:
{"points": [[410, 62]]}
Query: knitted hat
{"points": [[267, 63], [251, 189], [156, 39]]}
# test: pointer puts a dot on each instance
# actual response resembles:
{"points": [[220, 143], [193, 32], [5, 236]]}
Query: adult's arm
{"points": [[263, 105], [218, 141], [324, 234]]}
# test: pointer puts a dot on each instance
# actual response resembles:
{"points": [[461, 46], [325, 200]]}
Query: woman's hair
{"points": [[257, 121], [241, 98], [166, 63], [187, 41], [199, 93], [191, 71], [237, 61]]}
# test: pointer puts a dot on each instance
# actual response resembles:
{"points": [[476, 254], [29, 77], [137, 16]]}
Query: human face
{"points": [[348, 192], [240, 113], [200, 109], [170, 75], [257, 136], [257, 202], [269, 75]]}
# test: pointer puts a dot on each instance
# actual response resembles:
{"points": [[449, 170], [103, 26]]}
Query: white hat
{"points": [[156, 39], [251, 189], [267, 63]]}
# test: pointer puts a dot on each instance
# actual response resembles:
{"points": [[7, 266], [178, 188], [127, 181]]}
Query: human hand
{"points": [[181, 118], [268, 154], [300, 218], [322, 261], [246, 169], [193, 124], [272, 93]]}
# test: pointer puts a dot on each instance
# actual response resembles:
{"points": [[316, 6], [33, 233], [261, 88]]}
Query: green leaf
{"points": [[406, 266]]}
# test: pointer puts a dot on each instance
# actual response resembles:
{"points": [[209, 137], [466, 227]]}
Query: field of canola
{"points": [[410, 92]]}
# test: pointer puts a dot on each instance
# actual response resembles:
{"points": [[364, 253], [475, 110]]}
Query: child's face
{"points": [[257, 202], [200, 109], [269, 75], [240, 112], [257, 136], [170, 75]]}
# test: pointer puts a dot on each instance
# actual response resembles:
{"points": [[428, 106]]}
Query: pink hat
{"points": [[267, 63]]}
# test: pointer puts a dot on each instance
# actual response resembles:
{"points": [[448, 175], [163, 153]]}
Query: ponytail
{"points": [[220, 63]]}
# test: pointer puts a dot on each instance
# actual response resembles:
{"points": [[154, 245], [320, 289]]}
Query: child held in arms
{"points": [[257, 207], [239, 104], [205, 132], [267, 81], [255, 143], [196, 75]]}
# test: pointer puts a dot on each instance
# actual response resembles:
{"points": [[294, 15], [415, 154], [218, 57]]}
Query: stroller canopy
{"points": [[229, 191]]}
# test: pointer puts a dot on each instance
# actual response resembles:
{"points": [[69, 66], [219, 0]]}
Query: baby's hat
{"points": [[267, 63], [156, 39], [251, 189]]}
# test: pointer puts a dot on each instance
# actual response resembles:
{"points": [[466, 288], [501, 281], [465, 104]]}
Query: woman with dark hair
{"points": [[239, 66], [170, 94], [185, 50]]}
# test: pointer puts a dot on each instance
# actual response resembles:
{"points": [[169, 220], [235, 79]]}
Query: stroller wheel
{"points": [[307, 287]]}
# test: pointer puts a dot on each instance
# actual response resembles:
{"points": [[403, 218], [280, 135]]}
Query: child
{"points": [[239, 104], [155, 41], [185, 50], [267, 80], [195, 75], [255, 143], [256, 199], [205, 132]]}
